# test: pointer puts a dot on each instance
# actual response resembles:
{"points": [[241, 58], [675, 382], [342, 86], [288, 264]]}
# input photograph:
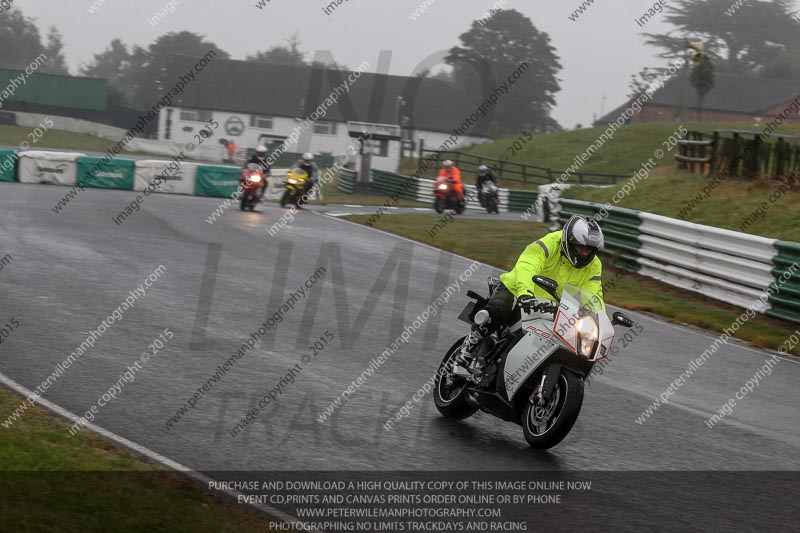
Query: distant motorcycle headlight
{"points": [[442, 187], [255, 178], [292, 181], [587, 335]]}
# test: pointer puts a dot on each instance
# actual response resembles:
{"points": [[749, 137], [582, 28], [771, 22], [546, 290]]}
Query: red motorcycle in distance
{"points": [[446, 196], [252, 179]]}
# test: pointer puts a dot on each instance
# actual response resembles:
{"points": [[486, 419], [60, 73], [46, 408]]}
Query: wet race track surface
{"points": [[355, 290]]}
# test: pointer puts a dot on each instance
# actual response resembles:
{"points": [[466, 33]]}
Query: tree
{"points": [[109, 64], [702, 79], [641, 82], [116, 65], [20, 41], [743, 40], [147, 67], [442, 75], [56, 63], [492, 51], [786, 65], [281, 55]]}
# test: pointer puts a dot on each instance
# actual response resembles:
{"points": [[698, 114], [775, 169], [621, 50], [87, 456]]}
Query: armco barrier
{"points": [[8, 165], [347, 181], [520, 201], [106, 174], [276, 183], [390, 184], [56, 168], [733, 267], [171, 181], [189, 178], [215, 180], [786, 300], [223, 181]]}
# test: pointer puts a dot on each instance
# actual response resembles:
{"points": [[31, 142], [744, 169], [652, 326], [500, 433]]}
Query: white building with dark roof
{"points": [[266, 104]]}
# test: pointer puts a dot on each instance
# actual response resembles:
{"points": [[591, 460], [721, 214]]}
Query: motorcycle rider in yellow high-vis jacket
{"points": [[568, 256]]}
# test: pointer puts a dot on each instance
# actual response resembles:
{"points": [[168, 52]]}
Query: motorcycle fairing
{"points": [[527, 355]]}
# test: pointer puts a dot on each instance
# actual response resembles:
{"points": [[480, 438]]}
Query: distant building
{"points": [[264, 104], [733, 99]]}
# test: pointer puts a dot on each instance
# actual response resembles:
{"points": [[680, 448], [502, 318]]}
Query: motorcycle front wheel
{"points": [[243, 204], [285, 198], [437, 205], [450, 393], [492, 206], [544, 426]]}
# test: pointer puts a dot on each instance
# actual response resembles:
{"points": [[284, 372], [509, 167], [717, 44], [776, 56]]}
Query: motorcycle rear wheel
{"points": [[450, 394], [545, 426]]}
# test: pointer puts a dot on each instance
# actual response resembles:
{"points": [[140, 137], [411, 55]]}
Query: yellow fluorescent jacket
{"points": [[543, 258]]}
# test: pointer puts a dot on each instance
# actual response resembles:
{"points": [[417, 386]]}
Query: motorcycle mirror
{"points": [[548, 285], [621, 319]]}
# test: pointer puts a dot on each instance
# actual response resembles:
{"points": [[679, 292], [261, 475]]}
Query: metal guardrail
{"points": [[347, 181], [733, 267], [391, 184]]}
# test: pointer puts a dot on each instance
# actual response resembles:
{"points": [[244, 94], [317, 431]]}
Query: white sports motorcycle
{"points": [[532, 372]]}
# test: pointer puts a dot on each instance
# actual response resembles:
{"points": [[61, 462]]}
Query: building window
{"points": [[325, 128], [261, 122], [196, 115], [383, 148]]}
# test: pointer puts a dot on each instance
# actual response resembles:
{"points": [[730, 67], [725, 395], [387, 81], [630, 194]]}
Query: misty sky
{"points": [[598, 52]]}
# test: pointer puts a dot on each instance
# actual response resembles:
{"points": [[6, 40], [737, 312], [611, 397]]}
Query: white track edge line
{"points": [[142, 450]]}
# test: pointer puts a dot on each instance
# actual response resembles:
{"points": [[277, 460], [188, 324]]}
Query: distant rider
{"points": [[308, 165], [568, 256], [450, 171], [260, 159], [484, 176]]}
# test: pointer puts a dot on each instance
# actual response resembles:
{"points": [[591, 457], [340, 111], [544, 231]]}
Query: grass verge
{"points": [[51, 481], [58, 139], [735, 204], [499, 243]]}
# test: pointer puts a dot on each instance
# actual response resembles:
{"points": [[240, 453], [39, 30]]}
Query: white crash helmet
{"points": [[483, 170], [584, 231], [308, 157], [447, 164], [261, 151]]}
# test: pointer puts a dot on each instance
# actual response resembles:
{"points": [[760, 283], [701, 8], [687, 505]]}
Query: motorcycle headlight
{"points": [[292, 180], [255, 178], [587, 335], [442, 187]]}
